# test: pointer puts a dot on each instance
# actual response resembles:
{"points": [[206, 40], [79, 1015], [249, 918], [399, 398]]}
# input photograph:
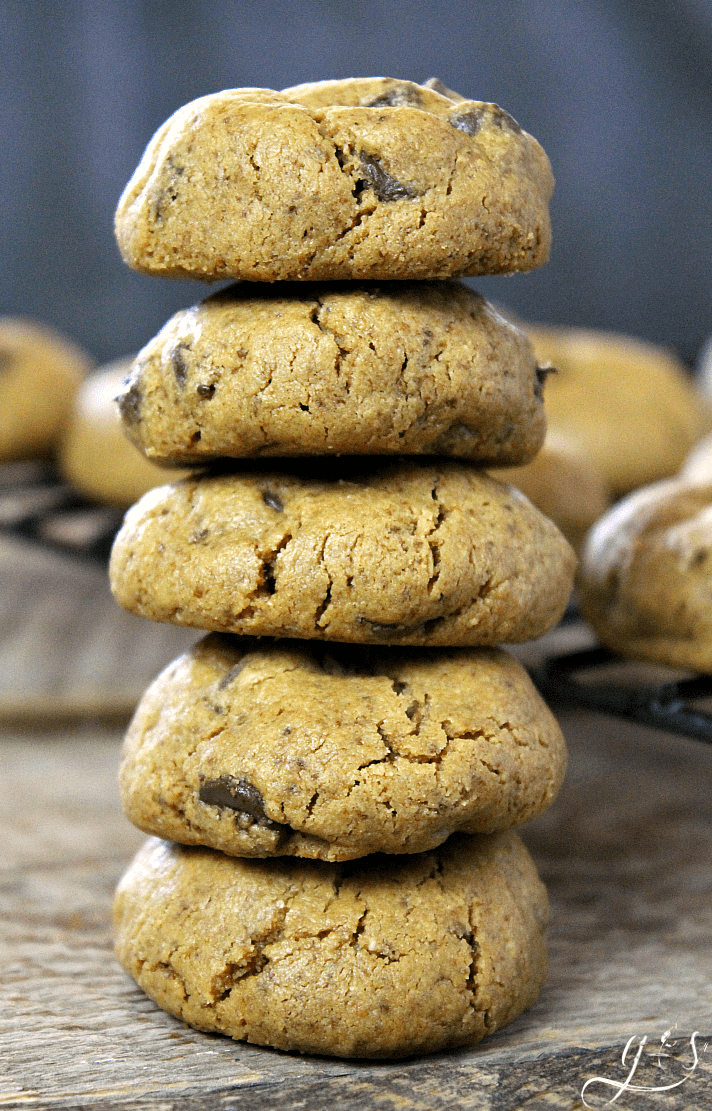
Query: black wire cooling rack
{"points": [[567, 679], [37, 505]]}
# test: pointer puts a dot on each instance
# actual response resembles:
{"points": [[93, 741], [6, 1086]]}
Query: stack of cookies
{"points": [[335, 770]]}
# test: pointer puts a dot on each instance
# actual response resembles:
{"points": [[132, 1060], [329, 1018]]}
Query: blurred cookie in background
{"points": [[564, 482], [645, 579], [697, 468], [630, 404], [95, 455], [40, 372]]}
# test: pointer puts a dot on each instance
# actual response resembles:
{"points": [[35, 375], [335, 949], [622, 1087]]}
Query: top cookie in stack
{"points": [[362, 178], [273, 749]]}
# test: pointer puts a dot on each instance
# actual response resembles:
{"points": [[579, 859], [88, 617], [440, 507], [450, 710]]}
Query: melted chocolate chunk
{"points": [[205, 391], [471, 121], [542, 373], [234, 794], [437, 86], [179, 363], [273, 501], [232, 674], [130, 399], [395, 98], [384, 186]]}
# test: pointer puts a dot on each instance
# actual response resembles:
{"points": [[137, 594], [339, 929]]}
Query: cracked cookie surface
{"points": [[310, 369], [336, 751], [414, 553], [382, 958], [362, 178]]}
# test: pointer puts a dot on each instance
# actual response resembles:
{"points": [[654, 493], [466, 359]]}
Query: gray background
{"points": [[618, 92]]}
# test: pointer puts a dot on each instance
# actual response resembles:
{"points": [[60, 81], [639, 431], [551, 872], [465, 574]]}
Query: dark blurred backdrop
{"points": [[617, 91]]}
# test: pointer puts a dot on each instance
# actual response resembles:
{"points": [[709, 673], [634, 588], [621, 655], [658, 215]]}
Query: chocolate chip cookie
{"points": [[414, 553], [364, 178], [404, 368], [333, 752], [381, 958]]}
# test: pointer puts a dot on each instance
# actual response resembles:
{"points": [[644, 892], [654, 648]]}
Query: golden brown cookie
{"points": [[405, 368], [379, 958], [646, 575], [564, 483], [95, 455], [630, 404], [363, 178], [333, 752], [415, 553], [40, 372]]}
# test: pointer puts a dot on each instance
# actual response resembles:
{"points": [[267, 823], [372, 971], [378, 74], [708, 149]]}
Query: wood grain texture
{"points": [[625, 853], [66, 649]]}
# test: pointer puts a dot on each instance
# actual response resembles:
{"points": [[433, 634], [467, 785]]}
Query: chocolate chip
{"points": [[542, 373], [6, 360], [384, 186], [470, 122], [180, 363], [273, 501], [205, 391], [234, 794], [395, 97], [232, 674], [437, 86], [130, 399], [500, 118]]}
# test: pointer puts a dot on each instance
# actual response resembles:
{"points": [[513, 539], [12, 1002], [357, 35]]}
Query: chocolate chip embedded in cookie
{"points": [[311, 369], [646, 575], [333, 752], [413, 553], [95, 455], [363, 178], [382, 958]]}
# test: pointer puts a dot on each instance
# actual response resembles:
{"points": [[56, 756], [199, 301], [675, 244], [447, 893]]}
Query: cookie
{"points": [[299, 369], [382, 958], [564, 483], [646, 576], [332, 752], [629, 404], [411, 553], [95, 455], [697, 467], [363, 178], [40, 372]]}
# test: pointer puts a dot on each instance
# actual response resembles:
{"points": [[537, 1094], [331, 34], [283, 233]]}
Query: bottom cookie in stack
{"points": [[382, 957], [260, 748]]}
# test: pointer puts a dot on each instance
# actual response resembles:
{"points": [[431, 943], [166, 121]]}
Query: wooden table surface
{"points": [[625, 853]]}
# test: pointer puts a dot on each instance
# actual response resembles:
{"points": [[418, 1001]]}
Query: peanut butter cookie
{"points": [[404, 368], [333, 752], [363, 178], [381, 958], [413, 553]]}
